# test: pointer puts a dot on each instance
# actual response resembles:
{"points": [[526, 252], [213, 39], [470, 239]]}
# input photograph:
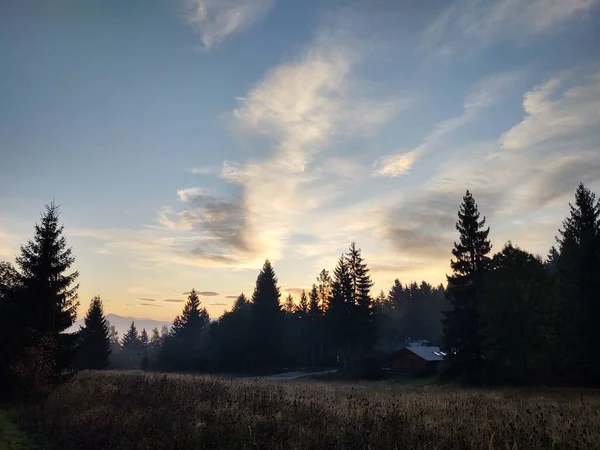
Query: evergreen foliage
{"points": [[266, 321], [462, 338], [94, 341]]}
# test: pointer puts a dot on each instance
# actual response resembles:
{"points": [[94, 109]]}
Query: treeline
{"points": [[510, 318], [515, 318]]}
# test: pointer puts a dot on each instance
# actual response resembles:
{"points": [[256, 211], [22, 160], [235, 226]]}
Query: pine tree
{"points": [[240, 303], [144, 347], [462, 326], [186, 347], [338, 317], [94, 344], [324, 293], [324, 285], [289, 306], [131, 340], [361, 308], [266, 325], [513, 314], [113, 334], [315, 320], [144, 342], [46, 303], [49, 295], [578, 293], [396, 296], [302, 309]]}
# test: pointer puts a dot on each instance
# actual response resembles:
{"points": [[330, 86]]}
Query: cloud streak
{"points": [[476, 24], [216, 20], [482, 96]]}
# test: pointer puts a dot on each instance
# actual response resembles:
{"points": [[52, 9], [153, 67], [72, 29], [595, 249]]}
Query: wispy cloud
{"points": [[216, 20], [208, 294], [206, 170], [151, 304], [173, 300], [475, 24], [144, 299], [482, 95], [231, 296], [305, 106], [217, 304], [527, 176], [550, 113]]}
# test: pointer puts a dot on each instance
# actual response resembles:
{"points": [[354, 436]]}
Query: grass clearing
{"points": [[135, 410], [12, 438]]}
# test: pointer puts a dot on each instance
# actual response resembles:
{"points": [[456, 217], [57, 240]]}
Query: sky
{"points": [[186, 141]]}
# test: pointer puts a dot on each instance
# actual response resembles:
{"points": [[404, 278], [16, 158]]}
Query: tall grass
{"points": [[120, 410]]}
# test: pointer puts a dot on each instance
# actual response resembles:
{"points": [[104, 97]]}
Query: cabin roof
{"points": [[428, 353]]}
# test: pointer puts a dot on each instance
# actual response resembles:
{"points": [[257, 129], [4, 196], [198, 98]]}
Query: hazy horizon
{"points": [[188, 141]]}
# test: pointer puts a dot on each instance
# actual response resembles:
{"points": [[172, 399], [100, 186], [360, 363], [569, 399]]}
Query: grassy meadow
{"points": [[136, 410]]}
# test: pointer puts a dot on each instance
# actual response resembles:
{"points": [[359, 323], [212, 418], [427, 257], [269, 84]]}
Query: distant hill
{"points": [[122, 324]]}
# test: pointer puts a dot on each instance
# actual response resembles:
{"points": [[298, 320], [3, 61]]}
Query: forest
{"points": [[509, 318]]}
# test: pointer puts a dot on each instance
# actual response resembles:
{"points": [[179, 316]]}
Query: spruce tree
{"points": [[94, 343], [240, 303], [462, 339], [288, 305], [339, 313], [324, 288], [131, 340], [144, 342], [302, 309], [361, 309], [266, 327], [187, 344], [46, 304], [513, 314], [578, 275], [144, 348], [396, 296], [315, 319], [49, 294]]}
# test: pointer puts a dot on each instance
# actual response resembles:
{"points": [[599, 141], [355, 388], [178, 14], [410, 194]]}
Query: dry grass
{"points": [[120, 410]]}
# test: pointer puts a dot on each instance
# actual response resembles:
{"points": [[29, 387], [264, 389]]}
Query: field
{"points": [[134, 410]]}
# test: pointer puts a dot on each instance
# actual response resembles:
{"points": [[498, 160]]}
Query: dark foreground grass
{"points": [[118, 410], [11, 437]]}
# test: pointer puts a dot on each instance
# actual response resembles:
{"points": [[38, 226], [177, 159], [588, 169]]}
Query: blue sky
{"points": [[188, 140]]}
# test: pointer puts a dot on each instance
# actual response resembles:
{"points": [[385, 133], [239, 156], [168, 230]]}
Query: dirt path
{"points": [[295, 375]]}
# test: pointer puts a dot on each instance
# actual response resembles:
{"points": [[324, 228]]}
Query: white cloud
{"points": [[481, 96], [219, 19], [523, 193], [577, 109], [475, 24], [186, 195], [206, 170], [396, 165]]}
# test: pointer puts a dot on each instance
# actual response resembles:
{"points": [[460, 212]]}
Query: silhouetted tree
{"points": [[47, 303], [94, 341], [187, 345], [462, 337], [315, 324], [113, 334], [266, 321], [131, 347], [338, 315], [288, 306], [361, 307], [230, 337], [514, 313], [578, 294]]}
